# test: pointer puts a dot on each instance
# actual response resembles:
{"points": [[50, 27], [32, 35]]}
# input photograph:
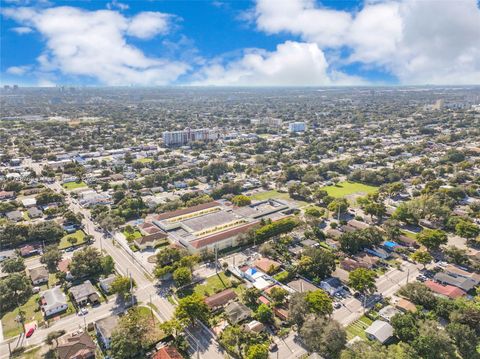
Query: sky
{"points": [[240, 43]]}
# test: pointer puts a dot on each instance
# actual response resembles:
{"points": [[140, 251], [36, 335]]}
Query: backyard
{"points": [[32, 312], [74, 185], [343, 189], [358, 327], [65, 243], [213, 284]]}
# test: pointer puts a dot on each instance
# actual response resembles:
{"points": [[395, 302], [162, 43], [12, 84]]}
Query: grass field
{"points": [[79, 235], [211, 285], [343, 189], [409, 234], [136, 234], [358, 327], [74, 185], [144, 160], [146, 314], [274, 194], [10, 326]]}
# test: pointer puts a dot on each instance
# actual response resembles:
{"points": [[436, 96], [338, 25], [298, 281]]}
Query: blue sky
{"points": [[240, 43]]}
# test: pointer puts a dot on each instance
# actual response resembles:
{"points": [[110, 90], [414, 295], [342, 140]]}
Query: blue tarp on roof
{"points": [[390, 244]]}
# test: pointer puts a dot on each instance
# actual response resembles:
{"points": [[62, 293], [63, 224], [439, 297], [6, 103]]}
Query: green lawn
{"points": [[79, 235], [358, 327], [11, 327], [156, 333], [136, 234], [144, 160], [409, 234], [343, 189], [212, 285], [74, 185]]}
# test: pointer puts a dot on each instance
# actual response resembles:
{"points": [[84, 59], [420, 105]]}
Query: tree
{"points": [[53, 336], [432, 343], [130, 339], [182, 276], [86, 263], [362, 280], [278, 295], [467, 229], [422, 257], [326, 337], [456, 255], [250, 296], [108, 265], [405, 326], [419, 294], [12, 265], [50, 257], [72, 240], [264, 313], [191, 308], [121, 286], [316, 263], [15, 290], [298, 309], [338, 206], [241, 200], [257, 351], [465, 340], [319, 303], [432, 239]]}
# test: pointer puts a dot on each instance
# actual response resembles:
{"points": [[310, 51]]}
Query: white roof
{"points": [[381, 330]]}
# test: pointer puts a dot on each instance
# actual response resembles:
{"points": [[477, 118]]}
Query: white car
{"points": [[82, 312]]}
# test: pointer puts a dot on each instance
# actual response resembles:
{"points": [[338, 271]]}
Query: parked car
{"points": [[30, 332], [336, 305], [83, 311]]}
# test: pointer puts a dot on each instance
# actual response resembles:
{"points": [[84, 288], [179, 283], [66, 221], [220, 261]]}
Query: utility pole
{"points": [[216, 260], [131, 288], [408, 274]]}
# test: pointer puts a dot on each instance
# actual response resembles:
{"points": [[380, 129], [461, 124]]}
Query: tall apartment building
{"points": [[188, 135], [297, 127]]}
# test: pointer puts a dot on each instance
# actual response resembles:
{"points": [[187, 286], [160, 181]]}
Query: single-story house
{"points": [[390, 245], [405, 305], [104, 329], [236, 312], [29, 202], [407, 241], [105, 283], [84, 293], [448, 291], [14, 216], [29, 250], [167, 352], [463, 283], [38, 275], [301, 285], [220, 299], [7, 195], [254, 326], [308, 243], [458, 272], [378, 252], [53, 301], [388, 312], [34, 212], [380, 330], [267, 265], [368, 261], [75, 346], [331, 285], [150, 241]]}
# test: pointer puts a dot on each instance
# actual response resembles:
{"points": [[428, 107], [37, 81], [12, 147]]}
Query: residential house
{"points": [[267, 265], [34, 212], [331, 285], [220, 299], [30, 250], [405, 305], [465, 284], [53, 301], [407, 241], [38, 275], [446, 291], [105, 283], [84, 293], [29, 202], [7, 195], [14, 216], [150, 241], [367, 260], [380, 330], [301, 285], [104, 329], [167, 352], [237, 312], [388, 312], [254, 326], [378, 252], [78, 345]]}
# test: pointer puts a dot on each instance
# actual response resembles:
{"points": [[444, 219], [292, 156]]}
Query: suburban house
{"points": [[83, 293], [105, 283], [167, 352], [220, 299], [254, 326], [34, 212], [378, 252], [150, 241], [29, 250], [463, 283], [331, 285], [76, 346], [267, 265], [447, 291], [388, 312], [380, 330], [301, 285], [405, 305], [53, 301], [14, 216], [236, 312], [104, 329], [38, 275]]}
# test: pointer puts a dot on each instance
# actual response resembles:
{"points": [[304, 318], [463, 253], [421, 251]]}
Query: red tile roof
{"points": [[220, 299], [202, 242], [447, 290], [167, 353]]}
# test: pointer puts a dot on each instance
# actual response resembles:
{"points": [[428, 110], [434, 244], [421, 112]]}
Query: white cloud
{"points": [[18, 70], [93, 44], [418, 41], [291, 64], [147, 24], [116, 4], [22, 30]]}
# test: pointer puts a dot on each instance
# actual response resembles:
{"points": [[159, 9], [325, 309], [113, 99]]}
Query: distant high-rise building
{"points": [[297, 127], [188, 135]]}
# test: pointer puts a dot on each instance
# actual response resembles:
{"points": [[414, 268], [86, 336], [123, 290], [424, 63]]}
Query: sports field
{"points": [[343, 189]]}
